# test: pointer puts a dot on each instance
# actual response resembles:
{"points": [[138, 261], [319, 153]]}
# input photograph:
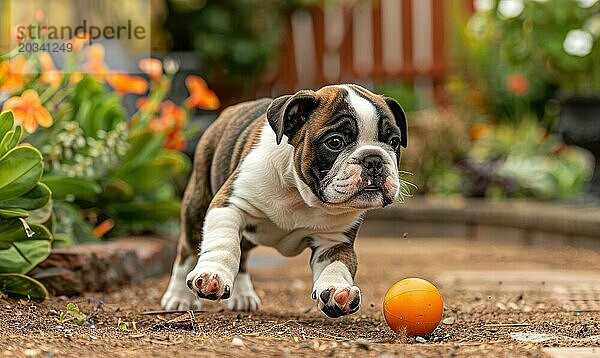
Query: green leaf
{"points": [[33, 199], [42, 215], [13, 213], [165, 167], [20, 286], [118, 190], [16, 138], [20, 170], [22, 253], [146, 210], [143, 148], [73, 311], [122, 326], [6, 123], [5, 143], [62, 186]]}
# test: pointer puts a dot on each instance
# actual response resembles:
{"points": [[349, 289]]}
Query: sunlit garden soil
{"points": [[483, 315]]}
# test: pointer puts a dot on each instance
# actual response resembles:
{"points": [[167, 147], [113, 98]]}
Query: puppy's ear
{"points": [[288, 113], [400, 118]]}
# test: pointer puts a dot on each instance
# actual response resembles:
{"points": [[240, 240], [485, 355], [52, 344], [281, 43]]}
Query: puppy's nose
{"points": [[373, 164]]}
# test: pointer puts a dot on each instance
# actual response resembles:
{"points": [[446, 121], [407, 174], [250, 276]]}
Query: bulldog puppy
{"points": [[294, 172]]}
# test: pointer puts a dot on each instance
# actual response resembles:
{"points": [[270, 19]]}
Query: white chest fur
{"points": [[277, 204]]}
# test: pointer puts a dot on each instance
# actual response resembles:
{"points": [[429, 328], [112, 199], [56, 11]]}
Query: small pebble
{"points": [[448, 320], [513, 306], [304, 345], [501, 306], [387, 355], [32, 352], [53, 313], [527, 309], [420, 339], [363, 344], [237, 342]]}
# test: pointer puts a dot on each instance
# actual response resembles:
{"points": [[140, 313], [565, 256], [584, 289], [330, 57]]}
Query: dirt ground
{"points": [[485, 315]]}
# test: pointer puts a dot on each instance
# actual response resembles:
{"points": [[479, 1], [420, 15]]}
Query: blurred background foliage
{"points": [[236, 41], [512, 65], [511, 70]]}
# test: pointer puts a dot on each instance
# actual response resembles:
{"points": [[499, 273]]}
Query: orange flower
{"points": [[28, 111], [173, 112], [479, 131], [95, 62], [171, 121], [124, 83], [104, 227], [76, 77], [200, 95], [79, 41], [517, 83], [171, 117], [176, 141], [153, 67], [12, 74], [50, 75]]}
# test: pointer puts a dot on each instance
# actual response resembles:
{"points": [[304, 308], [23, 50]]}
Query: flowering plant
{"points": [[559, 40], [109, 172]]}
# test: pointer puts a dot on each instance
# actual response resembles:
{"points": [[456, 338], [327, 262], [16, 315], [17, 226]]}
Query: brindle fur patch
{"points": [[344, 253], [245, 246]]}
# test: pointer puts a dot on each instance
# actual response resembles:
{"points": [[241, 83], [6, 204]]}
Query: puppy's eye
{"points": [[394, 142], [335, 142]]}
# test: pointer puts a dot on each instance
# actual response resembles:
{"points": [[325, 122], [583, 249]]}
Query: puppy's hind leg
{"points": [[243, 296]]}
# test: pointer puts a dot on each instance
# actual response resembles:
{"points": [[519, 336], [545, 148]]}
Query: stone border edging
{"points": [[105, 266], [528, 216]]}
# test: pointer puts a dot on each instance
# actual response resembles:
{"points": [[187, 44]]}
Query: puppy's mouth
{"points": [[371, 186]]}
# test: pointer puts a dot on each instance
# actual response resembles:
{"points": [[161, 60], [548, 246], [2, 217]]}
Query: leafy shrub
{"points": [[25, 208]]}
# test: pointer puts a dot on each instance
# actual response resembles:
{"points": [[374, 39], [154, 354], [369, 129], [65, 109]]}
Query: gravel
{"points": [[288, 324]]}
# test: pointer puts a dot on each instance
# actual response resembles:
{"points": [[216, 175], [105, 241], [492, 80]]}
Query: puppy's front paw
{"points": [[337, 300], [209, 285]]}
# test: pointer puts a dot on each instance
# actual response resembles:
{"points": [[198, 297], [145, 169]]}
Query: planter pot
{"points": [[580, 126]]}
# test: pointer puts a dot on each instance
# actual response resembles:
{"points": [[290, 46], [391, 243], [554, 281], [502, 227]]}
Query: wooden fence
{"points": [[364, 41]]}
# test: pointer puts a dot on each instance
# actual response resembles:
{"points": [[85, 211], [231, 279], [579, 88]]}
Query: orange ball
{"points": [[414, 304]]}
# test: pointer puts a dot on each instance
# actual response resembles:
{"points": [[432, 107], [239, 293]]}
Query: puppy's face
{"points": [[346, 143]]}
